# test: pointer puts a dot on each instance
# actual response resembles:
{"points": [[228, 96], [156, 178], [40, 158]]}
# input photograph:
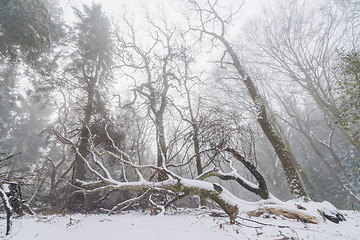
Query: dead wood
{"points": [[334, 217], [302, 217]]}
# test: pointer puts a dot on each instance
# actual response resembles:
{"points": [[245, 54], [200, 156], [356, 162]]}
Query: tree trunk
{"points": [[351, 190], [79, 172], [195, 137], [197, 149], [331, 111], [287, 160], [160, 140], [8, 209]]}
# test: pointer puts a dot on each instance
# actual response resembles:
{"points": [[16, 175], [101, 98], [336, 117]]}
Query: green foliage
{"points": [[26, 29], [347, 85]]}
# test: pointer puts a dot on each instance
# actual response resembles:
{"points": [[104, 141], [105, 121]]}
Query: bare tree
{"points": [[300, 41], [155, 62], [212, 23], [63, 112], [188, 91], [300, 121]]}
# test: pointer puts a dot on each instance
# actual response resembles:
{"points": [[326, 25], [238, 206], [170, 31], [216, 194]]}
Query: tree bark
{"points": [[287, 160], [8, 209], [79, 171], [209, 18], [195, 128], [160, 139]]}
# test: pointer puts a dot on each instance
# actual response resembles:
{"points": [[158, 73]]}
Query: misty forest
{"points": [[174, 106]]}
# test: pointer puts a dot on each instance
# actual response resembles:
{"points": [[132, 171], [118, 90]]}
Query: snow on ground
{"points": [[190, 224]]}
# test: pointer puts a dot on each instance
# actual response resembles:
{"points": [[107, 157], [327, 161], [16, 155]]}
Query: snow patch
{"points": [[199, 224]]}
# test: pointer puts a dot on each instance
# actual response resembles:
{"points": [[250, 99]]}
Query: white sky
{"points": [[172, 8], [135, 9], [116, 7]]}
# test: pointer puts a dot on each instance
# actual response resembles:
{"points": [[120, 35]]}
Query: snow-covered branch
{"points": [[260, 189]]}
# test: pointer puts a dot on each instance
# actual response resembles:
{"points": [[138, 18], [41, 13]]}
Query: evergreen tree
{"points": [[92, 59], [27, 28]]}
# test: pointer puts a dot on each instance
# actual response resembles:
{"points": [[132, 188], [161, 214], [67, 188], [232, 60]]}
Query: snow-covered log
{"points": [[225, 199], [172, 182], [175, 184]]}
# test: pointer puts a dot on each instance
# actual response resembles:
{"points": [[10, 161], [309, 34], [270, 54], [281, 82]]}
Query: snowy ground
{"points": [[192, 224]]}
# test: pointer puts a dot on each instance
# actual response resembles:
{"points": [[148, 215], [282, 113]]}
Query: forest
{"points": [[194, 104]]}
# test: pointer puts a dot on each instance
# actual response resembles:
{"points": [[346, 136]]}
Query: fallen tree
{"points": [[173, 185]]}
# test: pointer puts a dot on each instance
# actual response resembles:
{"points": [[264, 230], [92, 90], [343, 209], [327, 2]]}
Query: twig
{"points": [[10, 156]]}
